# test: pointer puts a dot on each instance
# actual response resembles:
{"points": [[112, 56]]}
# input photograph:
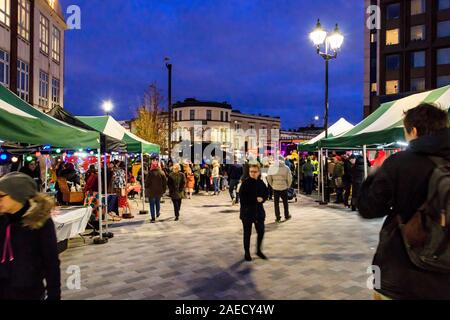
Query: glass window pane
{"points": [[392, 87], [418, 33], [393, 62], [417, 7], [444, 4], [418, 84], [418, 59], [443, 56], [392, 37], [393, 11], [443, 81], [443, 29]]}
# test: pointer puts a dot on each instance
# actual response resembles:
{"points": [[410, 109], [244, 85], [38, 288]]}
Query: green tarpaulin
{"points": [[109, 126], [385, 125], [22, 123]]}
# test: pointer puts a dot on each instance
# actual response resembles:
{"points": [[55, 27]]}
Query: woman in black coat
{"points": [[357, 173], [253, 193], [28, 242]]}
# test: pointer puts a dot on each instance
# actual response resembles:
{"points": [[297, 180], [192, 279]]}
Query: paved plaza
{"points": [[322, 253]]}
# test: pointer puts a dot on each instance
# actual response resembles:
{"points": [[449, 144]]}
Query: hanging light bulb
{"points": [[14, 159]]}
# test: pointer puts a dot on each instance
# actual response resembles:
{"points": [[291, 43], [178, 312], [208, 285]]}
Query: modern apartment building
{"points": [[409, 53]]}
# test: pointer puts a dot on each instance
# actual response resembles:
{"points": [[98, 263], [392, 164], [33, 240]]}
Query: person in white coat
{"points": [[279, 178]]}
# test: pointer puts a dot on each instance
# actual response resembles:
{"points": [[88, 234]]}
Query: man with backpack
{"points": [[412, 188]]}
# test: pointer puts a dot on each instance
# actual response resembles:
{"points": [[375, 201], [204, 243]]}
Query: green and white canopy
{"points": [[22, 123], [340, 127], [110, 127], [385, 125]]}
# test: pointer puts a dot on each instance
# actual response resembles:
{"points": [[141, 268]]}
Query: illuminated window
{"points": [[418, 33], [22, 80], [418, 59], [52, 3], [23, 28], [392, 37], [374, 87], [55, 92], [56, 47], [393, 11], [417, 7], [443, 29], [43, 34], [43, 89], [418, 84], [5, 12], [392, 87]]}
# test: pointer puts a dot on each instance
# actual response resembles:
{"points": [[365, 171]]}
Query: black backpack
{"points": [[427, 234]]}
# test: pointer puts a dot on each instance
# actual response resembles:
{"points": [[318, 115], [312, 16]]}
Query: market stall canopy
{"points": [[109, 126], [108, 143], [385, 125], [338, 128], [22, 123]]}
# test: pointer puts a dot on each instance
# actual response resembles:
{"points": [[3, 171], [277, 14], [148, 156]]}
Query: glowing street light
{"points": [[107, 106]]}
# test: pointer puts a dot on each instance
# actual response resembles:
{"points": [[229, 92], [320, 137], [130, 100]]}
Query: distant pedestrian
{"points": [[215, 174], [190, 181], [29, 265], [235, 173], [279, 178], [155, 187], [176, 183], [308, 176], [253, 193]]}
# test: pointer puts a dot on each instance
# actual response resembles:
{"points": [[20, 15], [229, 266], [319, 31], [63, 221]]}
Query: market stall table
{"points": [[70, 222]]}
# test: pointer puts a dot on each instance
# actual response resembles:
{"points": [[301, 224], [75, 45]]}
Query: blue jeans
{"points": [[154, 204], [216, 184]]}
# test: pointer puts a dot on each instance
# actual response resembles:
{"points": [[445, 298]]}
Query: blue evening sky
{"points": [[254, 54]]}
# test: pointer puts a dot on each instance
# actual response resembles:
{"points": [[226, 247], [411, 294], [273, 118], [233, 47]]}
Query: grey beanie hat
{"points": [[18, 186]]}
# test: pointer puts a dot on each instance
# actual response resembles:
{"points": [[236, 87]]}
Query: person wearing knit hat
{"points": [[28, 254]]}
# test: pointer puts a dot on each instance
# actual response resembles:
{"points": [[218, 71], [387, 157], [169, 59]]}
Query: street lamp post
{"points": [[332, 43], [169, 69]]}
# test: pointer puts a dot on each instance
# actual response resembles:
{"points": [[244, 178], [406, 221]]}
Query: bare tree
{"points": [[151, 120]]}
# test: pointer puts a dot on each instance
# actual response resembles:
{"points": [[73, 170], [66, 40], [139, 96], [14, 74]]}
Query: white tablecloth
{"points": [[70, 223]]}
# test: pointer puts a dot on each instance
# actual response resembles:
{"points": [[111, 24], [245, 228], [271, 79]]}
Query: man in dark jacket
{"points": [[235, 173], [155, 186], [399, 188], [253, 193], [176, 183], [28, 249]]}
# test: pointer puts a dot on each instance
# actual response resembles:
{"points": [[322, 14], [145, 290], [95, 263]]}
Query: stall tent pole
{"points": [[142, 181], [365, 160], [106, 190], [100, 240], [298, 174], [322, 174], [319, 178], [46, 173]]}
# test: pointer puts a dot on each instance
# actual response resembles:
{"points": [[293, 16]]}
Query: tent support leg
{"points": [[365, 161], [143, 211], [100, 239], [107, 233]]}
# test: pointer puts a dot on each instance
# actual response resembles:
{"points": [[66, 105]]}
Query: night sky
{"points": [[254, 54]]}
